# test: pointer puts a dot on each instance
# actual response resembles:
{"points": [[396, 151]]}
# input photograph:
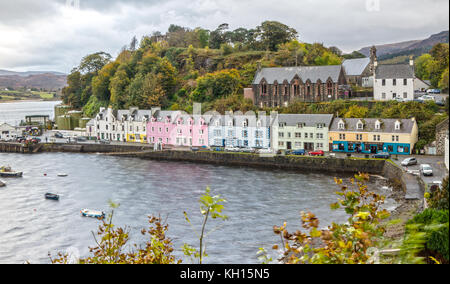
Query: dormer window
{"points": [[245, 123], [377, 125], [341, 125], [359, 125], [230, 123], [258, 124], [218, 123], [397, 125]]}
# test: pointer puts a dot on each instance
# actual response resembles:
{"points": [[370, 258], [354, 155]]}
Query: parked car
{"points": [[81, 139], [265, 151], [247, 150], [400, 100], [35, 140], [409, 162], [195, 149], [232, 149], [427, 98], [317, 153], [433, 91], [426, 170], [299, 152], [218, 149], [105, 142], [59, 135], [381, 155]]}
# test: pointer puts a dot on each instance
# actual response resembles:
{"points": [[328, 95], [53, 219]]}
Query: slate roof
{"points": [[355, 67], [310, 120], [402, 71], [387, 125], [312, 73]]}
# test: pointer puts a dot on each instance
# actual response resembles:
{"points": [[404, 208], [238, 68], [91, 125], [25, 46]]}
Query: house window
{"points": [[281, 144], [329, 88], [359, 137], [383, 96], [405, 95], [394, 95], [341, 125], [298, 135], [397, 125], [394, 82], [383, 82], [306, 135], [359, 126], [281, 135], [405, 82], [377, 125]]}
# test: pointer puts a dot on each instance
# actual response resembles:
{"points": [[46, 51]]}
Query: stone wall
{"points": [[297, 163]]}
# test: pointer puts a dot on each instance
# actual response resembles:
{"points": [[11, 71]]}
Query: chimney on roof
{"points": [[411, 61]]}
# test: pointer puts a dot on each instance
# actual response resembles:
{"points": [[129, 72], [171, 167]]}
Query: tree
{"points": [[112, 245], [348, 243], [118, 85], [422, 66], [100, 83], [356, 112], [94, 62], [217, 85], [272, 34]]}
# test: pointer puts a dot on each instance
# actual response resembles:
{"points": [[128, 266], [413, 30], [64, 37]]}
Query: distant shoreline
{"points": [[27, 101]]}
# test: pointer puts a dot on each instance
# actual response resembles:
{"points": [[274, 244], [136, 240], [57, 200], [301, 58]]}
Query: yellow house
{"points": [[370, 136]]}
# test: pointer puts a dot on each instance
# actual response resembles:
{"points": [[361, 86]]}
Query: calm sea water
{"points": [[14, 113], [31, 227]]}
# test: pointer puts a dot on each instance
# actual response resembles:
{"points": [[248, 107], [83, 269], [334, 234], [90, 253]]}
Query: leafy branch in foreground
{"points": [[210, 206], [349, 243], [112, 243]]}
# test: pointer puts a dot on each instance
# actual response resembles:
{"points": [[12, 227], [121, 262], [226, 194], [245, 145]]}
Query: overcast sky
{"points": [[51, 35]]}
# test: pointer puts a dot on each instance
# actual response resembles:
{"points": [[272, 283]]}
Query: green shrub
{"points": [[435, 224]]}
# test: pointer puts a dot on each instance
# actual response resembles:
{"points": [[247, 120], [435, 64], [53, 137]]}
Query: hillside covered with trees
{"points": [[184, 65]]}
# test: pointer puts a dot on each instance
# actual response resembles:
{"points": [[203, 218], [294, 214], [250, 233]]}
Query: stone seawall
{"points": [[326, 164], [94, 148]]}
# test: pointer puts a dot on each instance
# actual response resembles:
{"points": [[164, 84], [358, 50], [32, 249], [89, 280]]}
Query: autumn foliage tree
{"points": [[348, 243]]}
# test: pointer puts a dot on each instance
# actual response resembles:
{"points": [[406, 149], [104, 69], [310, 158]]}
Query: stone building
{"points": [[360, 71], [276, 87]]}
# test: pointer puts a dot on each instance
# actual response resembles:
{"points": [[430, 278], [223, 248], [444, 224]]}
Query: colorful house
{"points": [[370, 136], [302, 132], [177, 129], [239, 130]]}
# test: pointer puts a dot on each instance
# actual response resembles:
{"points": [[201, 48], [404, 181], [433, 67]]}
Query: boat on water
{"points": [[93, 214], [62, 175], [8, 172], [52, 196], [2, 183]]}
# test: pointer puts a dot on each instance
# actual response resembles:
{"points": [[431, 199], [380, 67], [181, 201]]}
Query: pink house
{"points": [[177, 129]]}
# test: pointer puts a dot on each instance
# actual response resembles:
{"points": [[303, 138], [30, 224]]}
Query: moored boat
{"points": [[8, 172], [93, 214], [2, 183], [52, 196]]}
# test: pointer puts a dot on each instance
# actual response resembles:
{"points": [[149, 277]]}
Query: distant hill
{"points": [[50, 81], [407, 48], [27, 73]]}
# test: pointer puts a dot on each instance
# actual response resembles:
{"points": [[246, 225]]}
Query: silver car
{"points": [[409, 162], [426, 170]]}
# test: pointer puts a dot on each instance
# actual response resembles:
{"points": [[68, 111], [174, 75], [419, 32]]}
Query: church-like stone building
{"points": [[278, 87]]}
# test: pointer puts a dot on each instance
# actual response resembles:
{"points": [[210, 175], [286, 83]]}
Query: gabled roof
{"points": [[310, 120], [355, 67], [312, 73], [397, 71], [387, 125]]}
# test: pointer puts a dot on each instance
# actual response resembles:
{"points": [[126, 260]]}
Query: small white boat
{"points": [[93, 214], [2, 183], [62, 175]]}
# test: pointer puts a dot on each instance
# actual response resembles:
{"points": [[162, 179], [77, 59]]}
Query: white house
{"points": [[394, 81], [121, 125], [8, 132], [240, 130]]}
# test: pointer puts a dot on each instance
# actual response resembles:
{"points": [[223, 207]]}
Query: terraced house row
{"points": [[309, 132]]}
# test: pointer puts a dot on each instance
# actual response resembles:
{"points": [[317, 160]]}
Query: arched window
{"points": [[329, 88]]}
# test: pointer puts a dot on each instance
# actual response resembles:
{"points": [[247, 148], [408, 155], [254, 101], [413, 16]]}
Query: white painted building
{"points": [[120, 125], [394, 81], [8, 132]]}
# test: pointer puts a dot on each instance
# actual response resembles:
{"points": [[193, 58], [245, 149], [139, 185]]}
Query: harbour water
{"points": [[31, 227], [14, 113]]}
